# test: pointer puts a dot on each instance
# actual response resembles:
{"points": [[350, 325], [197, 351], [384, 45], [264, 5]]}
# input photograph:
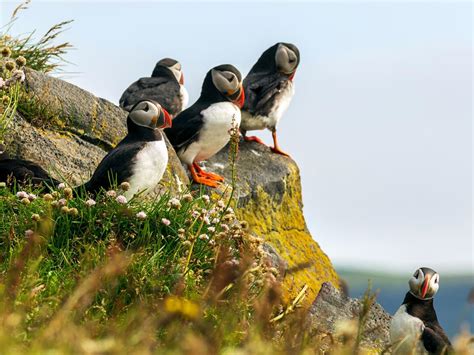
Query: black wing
{"points": [[162, 90], [261, 91], [24, 171], [115, 167], [186, 127], [435, 340]]}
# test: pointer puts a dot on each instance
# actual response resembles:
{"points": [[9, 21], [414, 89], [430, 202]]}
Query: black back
{"points": [[434, 338], [24, 172], [161, 87], [187, 125], [117, 165]]}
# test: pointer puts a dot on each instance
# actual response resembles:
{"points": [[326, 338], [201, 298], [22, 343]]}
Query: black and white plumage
{"points": [[269, 89], [203, 129], [415, 326], [165, 86], [141, 157], [23, 171]]}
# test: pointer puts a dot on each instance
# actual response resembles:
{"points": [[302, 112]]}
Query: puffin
{"points": [[269, 89], [415, 325], [141, 157], [203, 129], [23, 172], [165, 86]]}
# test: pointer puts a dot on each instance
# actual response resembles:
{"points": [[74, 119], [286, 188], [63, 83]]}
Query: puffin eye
{"points": [[146, 108], [417, 273]]}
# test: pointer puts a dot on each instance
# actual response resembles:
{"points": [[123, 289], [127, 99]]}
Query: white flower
{"points": [[203, 237], [22, 194], [225, 227], [2, 83], [31, 197], [206, 220], [61, 186], [90, 202], [212, 242], [230, 210], [125, 186], [121, 199], [215, 221], [211, 229], [174, 203], [111, 193], [195, 214], [220, 204], [165, 221], [62, 202], [206, 198], [29, 233], [18, 75], [141, 215]]}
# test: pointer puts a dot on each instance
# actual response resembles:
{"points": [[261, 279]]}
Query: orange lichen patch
{"points": [[281, 223]]}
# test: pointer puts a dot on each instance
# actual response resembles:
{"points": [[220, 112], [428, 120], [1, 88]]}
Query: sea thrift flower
{"points": [[203, 237], [121, 199], [141, 215], [211, 229], [174, 203], [20, 61], [10, 65], [18, 75], [195, 214], [68, 192], [206, 220], [22, 194], [54, 204], [165, 221], [35, 217], [212, 242], [6, 52], [188, 197], [48, 197], [225, 227], [62, 202], [29, 233], [90, 202], [25, 201], [221, 204], [61, 186], [111, 193], [31, 197], [65, 209], [215, 221], [5, 98], [73, 211], [125, 186], [206, 198]]}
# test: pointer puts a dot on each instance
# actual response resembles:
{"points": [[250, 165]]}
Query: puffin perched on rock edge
{"points": [[23, 171], [165, 86], [415, 324], [203, 129], [141, 157], [269, 89]]}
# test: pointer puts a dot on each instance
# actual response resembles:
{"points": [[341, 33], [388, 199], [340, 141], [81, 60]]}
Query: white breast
{"points": [[150, 165], [405, 333], [218, 119], [183, 93], [280, 105]]}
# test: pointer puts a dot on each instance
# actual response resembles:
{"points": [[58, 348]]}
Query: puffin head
{"points": [[282, 58], [149, 114], [171, 65], [227, 80], [424, 283]]}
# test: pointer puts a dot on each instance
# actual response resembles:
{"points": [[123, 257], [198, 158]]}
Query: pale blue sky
{"points": [[381, 123]]}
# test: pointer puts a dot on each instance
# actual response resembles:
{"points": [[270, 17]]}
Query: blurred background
{"points": [[381, 123]]}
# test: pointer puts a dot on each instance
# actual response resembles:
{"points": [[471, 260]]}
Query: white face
{"points": [[176, 70], [225, 81], [424, 283], [285, 59], [146, 114]]}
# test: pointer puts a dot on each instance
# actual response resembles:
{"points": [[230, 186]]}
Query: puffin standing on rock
{"points": [[269, 89], [415, 327], [203, 129], [165, 86], [141, 157]]}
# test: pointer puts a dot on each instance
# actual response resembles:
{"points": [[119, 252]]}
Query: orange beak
{"points": [[241, 99], [181, 80], [292, 75], [425, 285], [168, 120]]}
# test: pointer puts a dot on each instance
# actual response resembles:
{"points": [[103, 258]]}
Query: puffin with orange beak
{"points": [[269, 89], [141, 157], [415, 326], [165, 86], [203, 129]]}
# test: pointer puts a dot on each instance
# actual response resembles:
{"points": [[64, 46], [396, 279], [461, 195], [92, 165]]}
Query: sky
{"points": [[380, 125]]}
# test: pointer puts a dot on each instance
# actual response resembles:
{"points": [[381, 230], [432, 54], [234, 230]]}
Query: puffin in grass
{"points": [[203, 129], [23, 172], [269, 89], [415, 328], [141, 157], [165, 86]]}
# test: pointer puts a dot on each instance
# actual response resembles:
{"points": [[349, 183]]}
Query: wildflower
{"points": [[230, 210], [244, 225], [54, 204], [25, 201], [6, 52], [90, 202], [61, 186], [211, 229], [221, 204], [65, 209], [55, 194], [206, 198], [204, 237], [21, 194], [174, 203], [10, 65], [228, 217], [181, 306], [181, 231], [165, 221], [195, 214], [203, 211], [187, 243], [35, 217], [18, 75], [206, 220], [29, 233], [68, 192], [121, 199], [20, 61], [31, 197], [48, 197], [225, 227], [188, 197], [5, 99], [125, 186], [73, 211], [212, 242], [62, 202], [215, 221], [2, 84], [141, 215], [111, 193]]}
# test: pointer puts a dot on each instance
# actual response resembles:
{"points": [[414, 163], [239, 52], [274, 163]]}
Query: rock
{"points": [[268, 191], [68, 131], [331, 307]]}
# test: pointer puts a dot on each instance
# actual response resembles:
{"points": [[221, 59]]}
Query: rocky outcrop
{"points": [[332, 308], [268, 191]]}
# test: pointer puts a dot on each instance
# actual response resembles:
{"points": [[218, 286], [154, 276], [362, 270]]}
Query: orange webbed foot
{"points": [[254, 139]]}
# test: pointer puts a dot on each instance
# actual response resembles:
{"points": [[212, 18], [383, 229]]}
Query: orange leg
{"points": [[207, 174], [276, 147], [254, 139], [201, 179]]}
